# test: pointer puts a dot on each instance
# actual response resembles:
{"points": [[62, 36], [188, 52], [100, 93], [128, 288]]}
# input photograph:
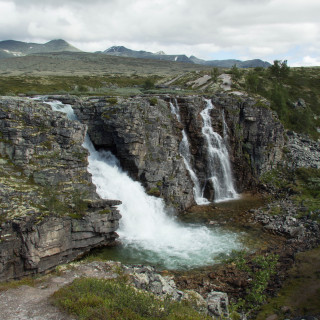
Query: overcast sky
{"points": [[208, 29]]}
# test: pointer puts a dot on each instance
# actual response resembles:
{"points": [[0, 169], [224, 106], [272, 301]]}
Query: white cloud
{"points": [[253, 28], [310, 61]]}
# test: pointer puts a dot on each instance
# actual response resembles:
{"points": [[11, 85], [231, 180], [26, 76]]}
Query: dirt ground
{"points": [[34, 303]]}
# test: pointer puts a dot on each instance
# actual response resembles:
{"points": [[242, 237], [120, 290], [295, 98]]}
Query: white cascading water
{"points": [[184, 149], [145, 227], [219, 168]]}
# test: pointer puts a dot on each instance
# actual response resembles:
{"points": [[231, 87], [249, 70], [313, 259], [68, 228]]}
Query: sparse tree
{"points": [[279, 70], [215, 74], [235, 73], [148, 84], [252, 81]]}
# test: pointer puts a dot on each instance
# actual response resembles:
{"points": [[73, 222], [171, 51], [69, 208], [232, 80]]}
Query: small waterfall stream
{"points": [[146, 230], [219, 169], [184, 149]]}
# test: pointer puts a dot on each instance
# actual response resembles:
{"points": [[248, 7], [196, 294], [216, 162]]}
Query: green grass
{"points": [[283, 93], [300, 292], [78, 85], [28, 281], [302, 183], [89, 298]]}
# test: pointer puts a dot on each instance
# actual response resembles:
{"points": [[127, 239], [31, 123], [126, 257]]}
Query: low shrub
{"points": [[90, 298]]}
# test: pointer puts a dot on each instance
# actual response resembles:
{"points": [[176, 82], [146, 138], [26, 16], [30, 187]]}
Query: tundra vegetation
{"points": [[89, 298], [293, 93]]}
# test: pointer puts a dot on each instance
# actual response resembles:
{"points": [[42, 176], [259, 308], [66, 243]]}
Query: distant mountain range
{"points": [[121, 51], [12, 48]]}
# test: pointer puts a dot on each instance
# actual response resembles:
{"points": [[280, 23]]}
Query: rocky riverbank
{"points": [[33, 301]]}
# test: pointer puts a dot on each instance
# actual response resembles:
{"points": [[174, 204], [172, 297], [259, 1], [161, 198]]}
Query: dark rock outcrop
{"points": [[29, 245], [49, 210], [254, 136], [146, 140]]}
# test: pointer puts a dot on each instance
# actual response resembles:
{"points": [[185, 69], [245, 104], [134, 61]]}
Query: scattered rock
{"points": [[302, 151]]}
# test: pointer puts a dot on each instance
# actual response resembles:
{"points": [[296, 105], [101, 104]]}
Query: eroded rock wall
{"points": [[253, 134], [256, 137], [146, 140], [49, 210], [145, 137]]}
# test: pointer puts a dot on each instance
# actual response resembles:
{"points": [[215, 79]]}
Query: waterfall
{"points": [[184, 150], [145, 227], [175, 110], [219, 168]]}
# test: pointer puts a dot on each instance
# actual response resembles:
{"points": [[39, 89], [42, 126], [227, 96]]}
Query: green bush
{"points": [[235, 73], [148, 84], [215, 74], [153, 101], [279, 70], [260, 270], [112, 101]]}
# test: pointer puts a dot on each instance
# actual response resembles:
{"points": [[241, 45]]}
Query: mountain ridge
{"points": [[122, 51], [13, 48]]}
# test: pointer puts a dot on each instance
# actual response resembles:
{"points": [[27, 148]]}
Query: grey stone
{"points": [[217, 303]]}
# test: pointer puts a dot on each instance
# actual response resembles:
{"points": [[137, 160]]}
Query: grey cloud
{"points": [[246, 26]]}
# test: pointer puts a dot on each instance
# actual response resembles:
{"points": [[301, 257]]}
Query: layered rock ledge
{"points": [[49, 210]]}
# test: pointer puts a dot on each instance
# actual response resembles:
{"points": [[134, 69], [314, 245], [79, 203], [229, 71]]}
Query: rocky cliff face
{"points": [[254, 136], [49, 210], [146, 139]]}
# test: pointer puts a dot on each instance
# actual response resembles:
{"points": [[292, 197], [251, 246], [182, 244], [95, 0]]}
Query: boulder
{"points": [[217, 303]]}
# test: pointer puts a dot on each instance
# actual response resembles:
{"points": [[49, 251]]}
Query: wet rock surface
{"points": [[145, 137], [256, 137], [251, 131]]}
